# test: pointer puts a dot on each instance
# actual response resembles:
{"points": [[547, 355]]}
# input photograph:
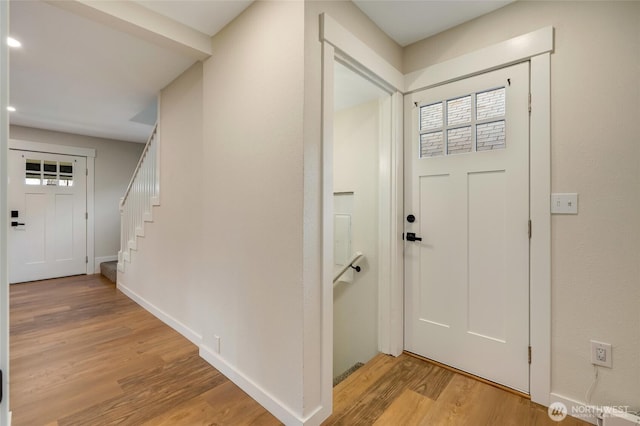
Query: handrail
{"points": [[137, 169], [356, 256]]}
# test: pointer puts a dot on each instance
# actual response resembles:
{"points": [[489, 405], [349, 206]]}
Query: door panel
{"points": [[487, 280], [32, 241], [467, 184], [435, 205], [63, 227], [49, 193]]}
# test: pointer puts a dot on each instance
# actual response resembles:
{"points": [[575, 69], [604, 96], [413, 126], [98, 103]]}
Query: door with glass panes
{"points": [[47, 225], [467, 244]]}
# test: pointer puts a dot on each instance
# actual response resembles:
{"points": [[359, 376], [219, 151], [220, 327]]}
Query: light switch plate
{"points": [[564, 203]]}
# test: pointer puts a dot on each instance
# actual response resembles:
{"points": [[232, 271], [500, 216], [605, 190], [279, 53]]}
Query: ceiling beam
{"points": [[143, 23]]}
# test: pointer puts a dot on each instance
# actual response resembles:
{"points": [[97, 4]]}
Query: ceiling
{"points": [[351, 89], [208, 17], [76, 75], [407, 21]]}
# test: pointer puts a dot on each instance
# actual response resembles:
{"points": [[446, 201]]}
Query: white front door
{"points": [[467, 186], [47, 218]]}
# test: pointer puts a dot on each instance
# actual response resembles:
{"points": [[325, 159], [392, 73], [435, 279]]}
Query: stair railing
{"points": [[141, 195], [350, 264]]}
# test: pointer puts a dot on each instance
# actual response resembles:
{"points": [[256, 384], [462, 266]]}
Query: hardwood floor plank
{"points": [[195, 412], [407, 372], [149, 393], [232, 406], [52, 402], [464, 401], [435, 381], [349, 391], [409, 408]]}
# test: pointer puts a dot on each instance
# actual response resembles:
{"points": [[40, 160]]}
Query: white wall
{"points": [[114, 165], [595, 97], [166, 270], [253, 201], [355, 169]]}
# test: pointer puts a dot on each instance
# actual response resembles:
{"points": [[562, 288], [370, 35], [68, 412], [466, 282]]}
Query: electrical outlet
{"points": [[601, 354], [216, 343]]}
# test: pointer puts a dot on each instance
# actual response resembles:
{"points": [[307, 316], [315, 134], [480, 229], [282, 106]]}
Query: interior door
{"points": [[467, 244], [47, 223]]}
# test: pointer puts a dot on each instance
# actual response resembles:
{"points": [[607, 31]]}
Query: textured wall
{"points": [[253, 198], [166, 269]]}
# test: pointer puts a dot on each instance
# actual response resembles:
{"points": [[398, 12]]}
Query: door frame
{"points": [[89, 154], [535, 47], [341, 45]]}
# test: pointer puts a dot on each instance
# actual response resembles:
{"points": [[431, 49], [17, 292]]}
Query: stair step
{"points": [[110, 270]]}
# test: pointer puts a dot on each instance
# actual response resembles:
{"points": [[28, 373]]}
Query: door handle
{"points": [[17, 224], [411, 236]]}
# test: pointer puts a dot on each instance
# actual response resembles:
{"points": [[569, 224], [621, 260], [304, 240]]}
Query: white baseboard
{"points": [[181, 328], [99, 260], [268, 401], [575, 408]]}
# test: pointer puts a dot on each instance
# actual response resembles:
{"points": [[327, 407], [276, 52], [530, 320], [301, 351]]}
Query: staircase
{"points": [[109, 270], [143, 192]]}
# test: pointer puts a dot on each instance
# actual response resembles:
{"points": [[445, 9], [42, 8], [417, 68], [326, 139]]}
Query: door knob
{"points": [[411, 236], [16, 223]]}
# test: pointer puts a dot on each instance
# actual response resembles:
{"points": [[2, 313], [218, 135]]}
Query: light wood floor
{"points": [[82, 353]]}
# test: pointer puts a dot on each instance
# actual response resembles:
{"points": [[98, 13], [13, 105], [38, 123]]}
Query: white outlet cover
{"points": [[601, 354]]}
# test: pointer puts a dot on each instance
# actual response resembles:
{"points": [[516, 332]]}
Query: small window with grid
{"points": [[48, 173], [470, 123]]}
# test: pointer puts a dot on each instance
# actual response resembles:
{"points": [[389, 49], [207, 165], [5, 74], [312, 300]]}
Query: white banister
{"points": [[356, 257], [143, 192]]}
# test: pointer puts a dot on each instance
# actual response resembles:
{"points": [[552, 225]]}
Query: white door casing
{"points": [[467, 281], [53, 208]]}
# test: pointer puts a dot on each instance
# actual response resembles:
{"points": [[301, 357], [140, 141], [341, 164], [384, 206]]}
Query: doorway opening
{"points": [[361, 129]]}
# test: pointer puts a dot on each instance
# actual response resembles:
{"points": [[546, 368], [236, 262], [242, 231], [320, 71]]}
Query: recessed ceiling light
{"points": [[12, 42], [11, 109]]}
